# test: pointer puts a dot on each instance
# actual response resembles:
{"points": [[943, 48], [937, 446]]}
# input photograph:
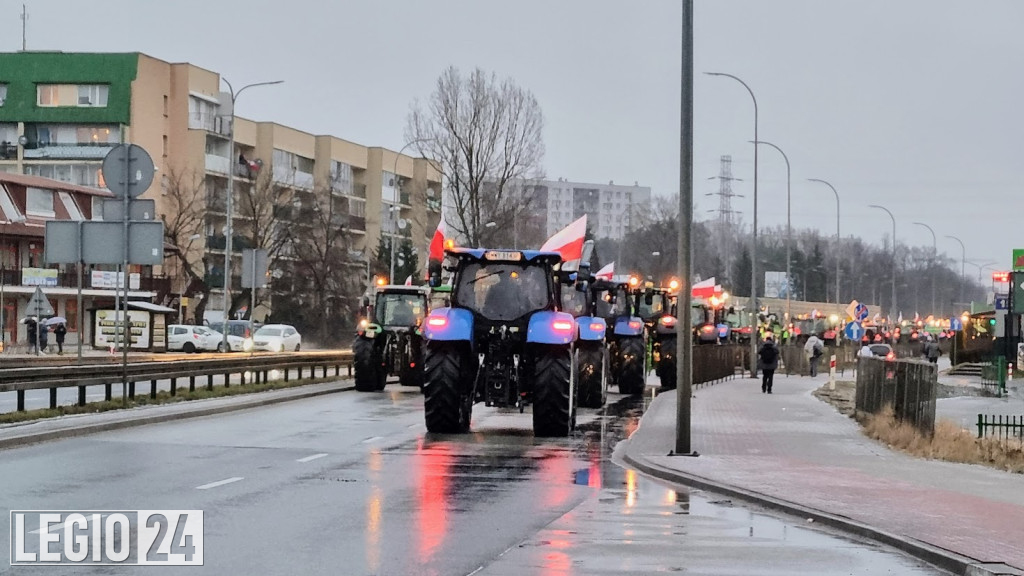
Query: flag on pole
{"points": [[436, 250], [704, 288], [899, 318], [408, 281], [606, 273], [569, 241]]}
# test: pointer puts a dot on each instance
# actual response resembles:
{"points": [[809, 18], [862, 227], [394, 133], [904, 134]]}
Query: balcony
{"points": [[405, 199], [217, 164], [357, 223], [359, 190], [238, 243], [68, 151], [13, 277]]}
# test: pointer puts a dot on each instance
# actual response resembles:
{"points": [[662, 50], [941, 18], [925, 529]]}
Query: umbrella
{"points": [[55, 320]]}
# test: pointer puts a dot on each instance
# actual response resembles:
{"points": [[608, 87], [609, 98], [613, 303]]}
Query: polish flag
{"points": [[606, 273], [569, 241], [436, 251], [408, 281], [704, 288]]}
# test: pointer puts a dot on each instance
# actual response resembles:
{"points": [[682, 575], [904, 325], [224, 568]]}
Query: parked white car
{"points": [[237, 343], [183, 338], [277, 338]]}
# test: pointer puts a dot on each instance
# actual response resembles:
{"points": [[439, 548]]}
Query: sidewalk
{"points": [[791, 451]]}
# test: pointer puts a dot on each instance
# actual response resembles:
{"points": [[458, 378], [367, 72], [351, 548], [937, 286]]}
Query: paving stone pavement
{"points": [[791, 446]]}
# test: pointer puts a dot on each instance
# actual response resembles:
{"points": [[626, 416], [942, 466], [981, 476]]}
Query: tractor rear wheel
{"points": [[447, 404], [591, 379], [366, 368], [554, 409], [631, 365]]}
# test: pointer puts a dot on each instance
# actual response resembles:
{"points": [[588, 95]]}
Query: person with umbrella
{"points": [[59, 332]]}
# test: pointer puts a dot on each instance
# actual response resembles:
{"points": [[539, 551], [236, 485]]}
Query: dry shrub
{"points": [[950, 442]]}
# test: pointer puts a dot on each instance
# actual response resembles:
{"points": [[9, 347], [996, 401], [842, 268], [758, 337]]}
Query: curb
{"points": [[939, 557], [143, 419]]}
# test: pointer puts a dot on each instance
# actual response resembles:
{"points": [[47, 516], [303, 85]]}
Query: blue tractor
{"points": [[503, 341], [591, 351], [626, 340]]}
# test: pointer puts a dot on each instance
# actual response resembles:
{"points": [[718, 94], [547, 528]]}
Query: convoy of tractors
{"points": [[516, 328]]}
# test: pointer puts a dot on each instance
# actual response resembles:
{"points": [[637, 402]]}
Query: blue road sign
{"points": [[854, 331], [862, 312], [1002, 301], [956, 324]]}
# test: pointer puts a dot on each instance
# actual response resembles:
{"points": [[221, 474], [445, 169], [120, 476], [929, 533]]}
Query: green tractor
{"points": [[389, 341]]}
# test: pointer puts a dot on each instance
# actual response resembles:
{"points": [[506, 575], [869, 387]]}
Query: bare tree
{"points": [[184, 217], [266, 209], [484, 134]]}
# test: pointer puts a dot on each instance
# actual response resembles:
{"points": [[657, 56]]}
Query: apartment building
{"points": [[612, 209], [60, 113]]}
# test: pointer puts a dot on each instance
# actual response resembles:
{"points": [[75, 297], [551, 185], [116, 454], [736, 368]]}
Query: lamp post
{"points": [[892, 310], [935, 252], [981, 266], [398, 192], [838, 237], [789, 232], [229, 208], [963, 260], [753, 241], [184, 287]]}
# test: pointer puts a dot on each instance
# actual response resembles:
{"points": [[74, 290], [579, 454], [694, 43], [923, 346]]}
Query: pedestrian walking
{"points": [[932, 351], [30, 331], [59, 333], [43, 339], [814, 348], [768, 357]]}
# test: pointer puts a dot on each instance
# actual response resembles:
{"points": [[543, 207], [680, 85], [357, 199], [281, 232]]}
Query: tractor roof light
{"points": [[449, 244], [381, 281], [673, 284], [634, 281]]}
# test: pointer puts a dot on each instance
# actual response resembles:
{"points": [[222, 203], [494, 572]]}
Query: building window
{"points": [[201, 114], [72, 95], [39, 202], [3, 93]]}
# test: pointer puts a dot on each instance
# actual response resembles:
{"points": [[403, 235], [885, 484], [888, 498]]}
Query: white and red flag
{"points": [[569, 241], [436, 251], [606, 273], [704, 289], [408, 281]]}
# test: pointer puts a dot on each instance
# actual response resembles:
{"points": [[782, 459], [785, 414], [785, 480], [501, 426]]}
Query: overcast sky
{"points": [[915, 104]]}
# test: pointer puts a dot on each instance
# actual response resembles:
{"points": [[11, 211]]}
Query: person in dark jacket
{"points": [[59, 333], [768, 356], [30, 330]]}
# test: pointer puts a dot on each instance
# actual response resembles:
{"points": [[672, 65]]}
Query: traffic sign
{"points": [[955, 324], [851, 310], [38, 305], [854, 331], [1002, 301], [862, 312], [130, 160]]}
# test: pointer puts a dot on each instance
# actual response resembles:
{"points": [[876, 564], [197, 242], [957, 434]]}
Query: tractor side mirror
{"points": [[366, 301], [648, 298], [434, 273]]}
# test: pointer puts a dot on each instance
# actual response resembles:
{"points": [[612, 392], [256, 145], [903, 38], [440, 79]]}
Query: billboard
{"points": [[775, 285]]}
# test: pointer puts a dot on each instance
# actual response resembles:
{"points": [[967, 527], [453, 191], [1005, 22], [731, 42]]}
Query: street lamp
{"points": [[391, 242], [229, 208], [935, 253], [789, 233], [184, 287], [963, 259], [892, 310], [838, 237], [398, 192], [982, 266], [753, 241]]}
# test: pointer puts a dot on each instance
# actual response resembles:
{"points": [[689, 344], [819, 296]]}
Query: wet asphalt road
{"points": [[350, 484]]}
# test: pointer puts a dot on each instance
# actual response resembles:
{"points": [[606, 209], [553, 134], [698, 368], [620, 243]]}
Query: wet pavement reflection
{"points": [[499, 501]]}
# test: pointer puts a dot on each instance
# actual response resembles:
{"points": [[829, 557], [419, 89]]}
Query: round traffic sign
{"points": [[128, 169], [862, 312]]}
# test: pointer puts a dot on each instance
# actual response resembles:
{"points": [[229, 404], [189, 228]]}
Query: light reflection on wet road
{"points": [[349, 484]]}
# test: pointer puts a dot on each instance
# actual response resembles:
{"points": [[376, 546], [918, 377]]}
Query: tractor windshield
{"points": [[609, 310], [655, 308], [503, 291], [574, 302], [400, 309]]}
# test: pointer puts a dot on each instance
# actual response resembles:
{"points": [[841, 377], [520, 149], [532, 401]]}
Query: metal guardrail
{"points": [[82, 376], [908, 386]]}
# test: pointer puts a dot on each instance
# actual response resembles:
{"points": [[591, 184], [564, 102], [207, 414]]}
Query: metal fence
{"points": [[714, 363], [993, 375], [1001, 427], [908, 386], [795, 361]]}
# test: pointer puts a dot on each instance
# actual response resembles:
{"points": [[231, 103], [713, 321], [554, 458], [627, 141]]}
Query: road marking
{"points": [[311, 458], [218, 483], [371, 439]]}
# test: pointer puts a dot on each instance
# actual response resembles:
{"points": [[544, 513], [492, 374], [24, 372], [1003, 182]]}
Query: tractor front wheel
{"points": [[631, 365], [367, 367], [554, 409], [591, 362]]}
